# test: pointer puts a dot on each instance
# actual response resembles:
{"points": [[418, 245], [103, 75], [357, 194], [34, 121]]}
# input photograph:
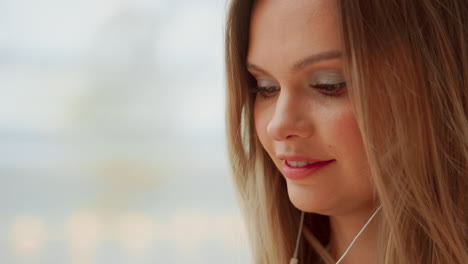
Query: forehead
{"points": [[282, 32]]}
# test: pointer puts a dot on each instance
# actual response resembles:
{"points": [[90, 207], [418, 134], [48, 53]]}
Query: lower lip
{"points": [[298, 173]]}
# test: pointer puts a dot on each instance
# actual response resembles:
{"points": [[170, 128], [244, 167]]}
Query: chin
{"points": [[308, 200]]}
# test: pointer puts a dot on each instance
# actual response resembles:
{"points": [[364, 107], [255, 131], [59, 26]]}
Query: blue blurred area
{"points": [[112, 134]]}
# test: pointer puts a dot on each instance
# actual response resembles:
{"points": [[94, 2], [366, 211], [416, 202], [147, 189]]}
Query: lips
{"points": [[302, 172]]}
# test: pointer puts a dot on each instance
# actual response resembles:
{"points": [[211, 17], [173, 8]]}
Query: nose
{"points": [[292, 118]]}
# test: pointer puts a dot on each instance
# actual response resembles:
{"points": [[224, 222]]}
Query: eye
{"points": [[329, 82], [266, 88], [331, 89]]}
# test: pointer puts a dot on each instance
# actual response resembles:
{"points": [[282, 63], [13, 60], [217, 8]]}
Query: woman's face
{"points": [[302, 111]]}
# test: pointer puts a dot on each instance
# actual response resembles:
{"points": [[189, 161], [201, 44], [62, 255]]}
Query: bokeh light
{"points": [[112, 134], [28, 235]]}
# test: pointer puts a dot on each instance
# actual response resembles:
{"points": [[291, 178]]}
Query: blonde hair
{"points": [[406, 66]]}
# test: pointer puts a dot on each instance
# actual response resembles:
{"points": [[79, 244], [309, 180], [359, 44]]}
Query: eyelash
{"points": [[335, 89], [265, 91], [331, 90]]}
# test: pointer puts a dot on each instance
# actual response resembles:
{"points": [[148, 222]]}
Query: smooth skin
{"points": [[294, 50]]}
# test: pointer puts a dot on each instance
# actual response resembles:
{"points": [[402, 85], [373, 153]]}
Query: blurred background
{"points": [[112, 145]]}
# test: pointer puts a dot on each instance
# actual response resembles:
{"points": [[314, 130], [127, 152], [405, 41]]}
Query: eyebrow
{"points": [[301, 64]]}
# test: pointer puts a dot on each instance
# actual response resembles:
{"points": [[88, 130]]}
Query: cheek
{"points": [[353, 172], [261, 120], [345, 139]]}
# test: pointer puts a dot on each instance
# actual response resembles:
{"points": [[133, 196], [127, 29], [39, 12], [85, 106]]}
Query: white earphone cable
{"points": [[360, 232], [294, 259]]}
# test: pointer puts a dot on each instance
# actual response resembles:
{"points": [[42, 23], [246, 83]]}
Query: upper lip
{"points": [[296, 157]]}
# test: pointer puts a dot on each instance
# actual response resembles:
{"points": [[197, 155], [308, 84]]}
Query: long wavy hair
{"points": [[406, 66]]}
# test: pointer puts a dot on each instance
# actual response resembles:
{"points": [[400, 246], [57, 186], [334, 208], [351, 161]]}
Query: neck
{"points": [[344, 229]]}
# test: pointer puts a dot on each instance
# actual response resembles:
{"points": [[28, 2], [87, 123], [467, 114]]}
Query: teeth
{"points": [[299, 163]]}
